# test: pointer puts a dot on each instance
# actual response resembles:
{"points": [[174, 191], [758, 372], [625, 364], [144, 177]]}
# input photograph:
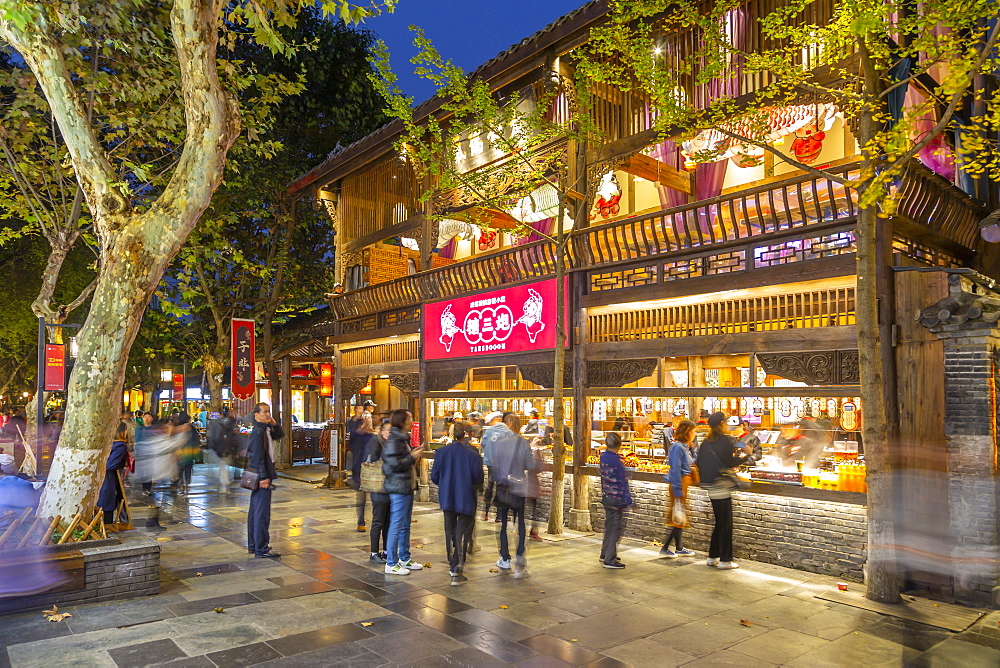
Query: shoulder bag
{"points": [[372, 478], [250, 479]]}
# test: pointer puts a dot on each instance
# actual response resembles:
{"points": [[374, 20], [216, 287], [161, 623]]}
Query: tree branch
{"points": [[44, 56], [791, 161], [956, 99]]}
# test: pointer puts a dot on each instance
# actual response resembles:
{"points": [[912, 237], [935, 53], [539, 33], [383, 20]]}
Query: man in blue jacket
{"points": [[616, 500], [458, 473], [260, 458]]}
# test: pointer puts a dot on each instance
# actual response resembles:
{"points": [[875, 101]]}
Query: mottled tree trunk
{"points": [[127, 278], [881, 577], [215, 366]]}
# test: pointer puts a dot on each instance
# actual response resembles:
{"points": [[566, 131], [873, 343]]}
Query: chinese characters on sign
{"points": [[243, 381], [55, 367], [178, 387], [517, 319]]}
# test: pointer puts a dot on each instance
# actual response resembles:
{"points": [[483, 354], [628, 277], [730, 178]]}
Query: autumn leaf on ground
{"points": [[427, 565], [198, 575], [367, 623], [655, 542], [220, 610], [54, 610], [504, 607], [574, 640], [58, 617], [494, 570], [413, 521], [418, 545], [746, 622]]}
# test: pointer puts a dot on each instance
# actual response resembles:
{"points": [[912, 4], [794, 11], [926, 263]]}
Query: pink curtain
{"points": [[937, 156], [448, 250], [669, 153], [544, 226]]}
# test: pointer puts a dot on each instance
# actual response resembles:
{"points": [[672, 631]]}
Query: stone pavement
{"points": [[323, 604]]}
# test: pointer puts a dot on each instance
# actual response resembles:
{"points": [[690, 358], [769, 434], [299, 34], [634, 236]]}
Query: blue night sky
{"points": [[469, 32]]}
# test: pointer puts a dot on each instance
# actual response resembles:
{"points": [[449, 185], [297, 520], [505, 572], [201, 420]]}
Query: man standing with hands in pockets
{"points": [[260, 458]]}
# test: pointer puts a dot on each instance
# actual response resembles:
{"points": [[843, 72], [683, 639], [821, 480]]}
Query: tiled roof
{"points": [[387, 130]]}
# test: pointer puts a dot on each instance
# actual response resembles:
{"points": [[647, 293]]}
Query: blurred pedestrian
{"points": [[534, 491], [222, 440], [747, 436], [379, 534], [716, 459], [260, 458], [112, 492], [458, 473], [494, 428], [511, 460], [616, 499], [156, 462], [681, 455], [360, 433], [398, 465], [187, 443]]}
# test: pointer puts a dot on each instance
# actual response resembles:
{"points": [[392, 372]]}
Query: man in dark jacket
{"points": [[616, 499], [222, 441], [260, 458], [458, 473]]}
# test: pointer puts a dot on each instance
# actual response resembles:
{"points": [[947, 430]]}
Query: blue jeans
{"points": [[398, 543]]}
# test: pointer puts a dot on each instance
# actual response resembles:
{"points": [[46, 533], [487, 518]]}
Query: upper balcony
{"points": [[794, 220]]}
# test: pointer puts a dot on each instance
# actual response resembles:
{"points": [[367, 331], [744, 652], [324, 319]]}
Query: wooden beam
{"points": [[657, 171], [411, 223], [841, 337]]}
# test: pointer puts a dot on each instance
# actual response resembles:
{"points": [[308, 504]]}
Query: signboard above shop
{"points": [[511, 320]]}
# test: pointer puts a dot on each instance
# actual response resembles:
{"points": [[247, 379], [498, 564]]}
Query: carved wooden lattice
{"points": [[442, 380], [350, 386], [407, 383], [828, 367]]}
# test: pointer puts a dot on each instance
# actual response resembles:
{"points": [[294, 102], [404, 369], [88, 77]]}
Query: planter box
{"points": [[127, 566]]}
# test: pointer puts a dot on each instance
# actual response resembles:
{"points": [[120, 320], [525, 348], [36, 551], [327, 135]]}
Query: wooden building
{"points": [[727, 287]]}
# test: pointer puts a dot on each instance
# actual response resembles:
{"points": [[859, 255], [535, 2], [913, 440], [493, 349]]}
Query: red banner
{"points": [[415, 435], [55, 367], [179, 387], [326, 380], [512, 320], [243, 381]]}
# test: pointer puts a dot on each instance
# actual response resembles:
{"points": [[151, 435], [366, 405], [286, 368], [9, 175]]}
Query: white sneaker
{"points": [[520, 573], [396, 569], [728, 565], [712, 561], [413, 565], [503, 563]]}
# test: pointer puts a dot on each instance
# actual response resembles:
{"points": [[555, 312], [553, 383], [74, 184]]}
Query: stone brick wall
{"points": [[970, 424], [129, 569], [816, 536]]}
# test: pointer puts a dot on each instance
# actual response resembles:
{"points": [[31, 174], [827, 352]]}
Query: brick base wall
{"points": [[816, 536], [112, 572]]}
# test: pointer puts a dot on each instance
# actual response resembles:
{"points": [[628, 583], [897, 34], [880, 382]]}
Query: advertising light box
{"points": [[511, 320]]}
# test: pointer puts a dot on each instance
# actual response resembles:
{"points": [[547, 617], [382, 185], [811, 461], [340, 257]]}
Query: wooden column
{"points": [[579, 514], [696, 378], [285, 454]]}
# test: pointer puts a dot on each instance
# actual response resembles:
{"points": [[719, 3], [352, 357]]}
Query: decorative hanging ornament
{"points": [[758, 407], [849, 417], [786, 408], [831, 408]]}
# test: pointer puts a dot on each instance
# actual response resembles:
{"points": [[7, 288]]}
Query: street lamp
{"points": [[166, 375]]}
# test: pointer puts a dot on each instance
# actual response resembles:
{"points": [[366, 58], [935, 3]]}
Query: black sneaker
{"points": [[458, 579], [377, 558], [616, 564]]}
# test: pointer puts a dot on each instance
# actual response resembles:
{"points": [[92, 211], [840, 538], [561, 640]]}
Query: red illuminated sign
{"points": [[178, 387], [243, 381], [415, 435], [326, 380], [55, 367], [511, 320]]}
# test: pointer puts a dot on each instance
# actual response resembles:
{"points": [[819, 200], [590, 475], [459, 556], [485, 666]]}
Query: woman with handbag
{"points": [[681, 456], [398, 464], [380, 500], [716, 460]]}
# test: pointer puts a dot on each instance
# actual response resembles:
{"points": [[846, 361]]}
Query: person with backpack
{"points": [[111, 490], [616, 499], [512, 458], [458, 473], [222, 441], [716, 459]]}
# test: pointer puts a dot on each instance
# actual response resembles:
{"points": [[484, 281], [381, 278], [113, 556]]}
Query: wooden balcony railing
{"points": [[522, 263], [798, 219]]}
